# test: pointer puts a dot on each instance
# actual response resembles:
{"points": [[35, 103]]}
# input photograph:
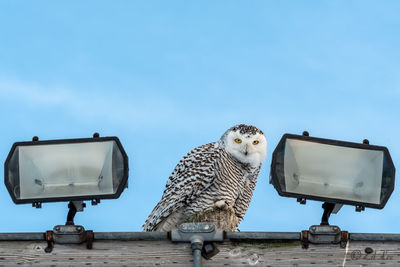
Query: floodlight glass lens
{"points": [[333, 171], [65, 170]]}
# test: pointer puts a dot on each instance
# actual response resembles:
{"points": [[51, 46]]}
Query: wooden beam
{"points": [[166, 253]]}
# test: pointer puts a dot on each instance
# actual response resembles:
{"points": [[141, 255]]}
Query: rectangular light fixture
{"points": [[332, 171], [66, 170]]}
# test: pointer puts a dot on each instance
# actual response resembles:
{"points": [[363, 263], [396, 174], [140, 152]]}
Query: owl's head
{"points": [[245, 143]]}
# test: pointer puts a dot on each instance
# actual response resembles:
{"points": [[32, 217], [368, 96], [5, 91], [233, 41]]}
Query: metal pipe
{"points": [[22, 236], [197, 246], [197, 258], [263, 235], [131, 236], [228, 235], [374, 237], [97, 236]]}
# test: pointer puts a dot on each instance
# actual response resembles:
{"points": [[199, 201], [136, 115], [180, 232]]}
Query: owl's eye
{"points": [[237, 140], [255, 142]]}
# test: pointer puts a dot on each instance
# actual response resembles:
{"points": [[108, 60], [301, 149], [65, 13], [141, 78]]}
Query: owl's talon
{"points": [[222, 205]]}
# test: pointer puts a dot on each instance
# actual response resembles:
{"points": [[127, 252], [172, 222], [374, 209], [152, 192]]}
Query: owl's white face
{"points": [[246, 147]]}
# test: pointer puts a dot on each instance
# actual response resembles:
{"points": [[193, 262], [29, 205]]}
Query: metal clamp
{"points": [[324, 234], [89, 239], [205, 230], [200, 235], [50, 241], [68, 234], [304, 239]]}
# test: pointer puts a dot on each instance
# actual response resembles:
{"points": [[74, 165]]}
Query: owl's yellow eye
{"points": [[237, 140], [255, 142]]}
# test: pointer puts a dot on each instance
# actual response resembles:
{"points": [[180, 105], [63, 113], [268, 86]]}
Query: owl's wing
{"points": [[193, 174], [242, 202]]}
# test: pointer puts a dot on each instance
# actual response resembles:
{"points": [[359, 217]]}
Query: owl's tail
{"points": [[163, 218]]}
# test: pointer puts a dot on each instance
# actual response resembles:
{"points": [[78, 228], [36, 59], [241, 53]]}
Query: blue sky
{"points": [[167, 76]]}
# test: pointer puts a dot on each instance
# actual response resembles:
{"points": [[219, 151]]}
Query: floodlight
{"points": [[71, 170], [66, 170], [332, 171]]}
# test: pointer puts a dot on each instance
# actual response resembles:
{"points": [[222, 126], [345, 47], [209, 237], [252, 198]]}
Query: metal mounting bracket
{"points": [[205, 230], [200, 235], [68, 234], [324, 234]]}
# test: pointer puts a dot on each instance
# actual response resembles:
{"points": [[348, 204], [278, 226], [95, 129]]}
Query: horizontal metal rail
{"points": [[131, 236], [234, 236], [22, 236], [262, 235], [374, 237]]}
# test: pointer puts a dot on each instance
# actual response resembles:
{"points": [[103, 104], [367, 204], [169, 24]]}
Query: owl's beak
{"points": [[245, 151]]}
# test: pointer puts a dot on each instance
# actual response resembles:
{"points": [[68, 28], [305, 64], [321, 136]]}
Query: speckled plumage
{"points": [[209, 176]]}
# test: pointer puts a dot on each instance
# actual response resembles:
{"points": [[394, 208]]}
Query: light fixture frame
{"points": [[275, 181], [95, 198]]}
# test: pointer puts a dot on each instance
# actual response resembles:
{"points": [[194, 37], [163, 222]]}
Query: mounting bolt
{"points": [[360, 208], [96, 135], [37, 205], [301, 200], [95, 201], [305, 133], [35, 139]]}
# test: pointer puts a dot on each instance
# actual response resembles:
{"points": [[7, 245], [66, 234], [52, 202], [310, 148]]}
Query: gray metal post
{"points": [[197, 246]]}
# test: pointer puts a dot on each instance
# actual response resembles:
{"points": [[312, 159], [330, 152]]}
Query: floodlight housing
{"points": [[332, 171], [66, 170]]}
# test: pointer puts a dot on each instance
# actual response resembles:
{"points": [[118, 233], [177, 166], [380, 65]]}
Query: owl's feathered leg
{"points": [[225, 219]]}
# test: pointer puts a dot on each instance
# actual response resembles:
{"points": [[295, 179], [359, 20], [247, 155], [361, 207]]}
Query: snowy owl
{"points": [[213, 182]]}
